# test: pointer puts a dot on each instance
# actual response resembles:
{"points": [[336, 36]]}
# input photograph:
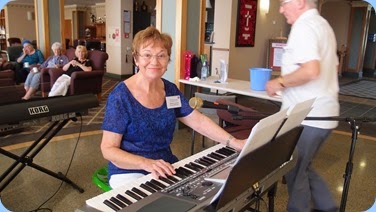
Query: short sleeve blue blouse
{"points": [[146, 132]]}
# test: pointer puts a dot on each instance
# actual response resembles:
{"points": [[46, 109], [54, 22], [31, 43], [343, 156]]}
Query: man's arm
{"points": [[306, 72]]}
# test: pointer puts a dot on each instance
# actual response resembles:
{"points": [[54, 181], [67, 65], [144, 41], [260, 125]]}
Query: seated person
{"points": [[4, 63], [29, 56], [33, 78], [79, 63], [141, 115]]}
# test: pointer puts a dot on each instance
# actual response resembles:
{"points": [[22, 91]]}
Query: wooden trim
{"points": [[158, 17], [46, 20], [62, 23], [180, 38], [221, 49], [201, 37]]}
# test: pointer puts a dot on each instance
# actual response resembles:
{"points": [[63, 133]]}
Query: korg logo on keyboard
{"points": [[38, 110]]}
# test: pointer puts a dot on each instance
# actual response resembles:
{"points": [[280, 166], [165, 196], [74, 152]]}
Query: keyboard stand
{"points": [[26, 159]]}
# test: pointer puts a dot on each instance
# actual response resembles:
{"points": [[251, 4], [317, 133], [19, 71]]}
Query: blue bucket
{"points": [[259, 78]]}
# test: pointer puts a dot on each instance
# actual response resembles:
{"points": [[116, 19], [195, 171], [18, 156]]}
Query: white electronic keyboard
{"points": [[188, 187], [205, 161]]}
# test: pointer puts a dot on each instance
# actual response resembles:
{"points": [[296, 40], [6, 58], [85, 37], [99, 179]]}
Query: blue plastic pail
{"points": [[259, 78]]}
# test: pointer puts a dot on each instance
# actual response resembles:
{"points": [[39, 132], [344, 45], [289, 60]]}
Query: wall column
{"points": [[49, 20], [118, 46]]}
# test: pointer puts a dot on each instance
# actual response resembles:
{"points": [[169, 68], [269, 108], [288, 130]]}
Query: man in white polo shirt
{"points": [[309, 70]]}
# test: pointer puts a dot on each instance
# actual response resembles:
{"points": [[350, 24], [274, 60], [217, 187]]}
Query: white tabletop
{"points": [[241, 87]]}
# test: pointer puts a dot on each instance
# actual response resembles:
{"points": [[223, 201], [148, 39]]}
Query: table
{"points": [[235, 86]]}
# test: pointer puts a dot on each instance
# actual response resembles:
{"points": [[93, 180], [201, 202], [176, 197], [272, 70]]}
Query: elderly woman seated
{"points": [[33, 78], [30, 56], [79, 63]]}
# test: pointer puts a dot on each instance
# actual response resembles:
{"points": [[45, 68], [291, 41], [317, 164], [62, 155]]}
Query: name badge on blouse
{"points": [[173, 102]]}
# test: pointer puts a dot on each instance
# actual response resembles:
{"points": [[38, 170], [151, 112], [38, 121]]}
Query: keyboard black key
{"points": [[133, 195], [221, 152], [189, 172], [172, 178], [155, 187], [218, 155], [158, 183], [139, 192], [197, 165], [147, 188], [124, 199], [202, 162], [180, 174], [189, 166], [215, 156], [208, 159], [111, 205], [169, 182], [225, 151], [118, 202], [231, 149]]}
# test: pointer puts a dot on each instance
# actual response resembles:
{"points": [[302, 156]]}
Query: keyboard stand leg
{"points": [[26, 159], [271, 195]]}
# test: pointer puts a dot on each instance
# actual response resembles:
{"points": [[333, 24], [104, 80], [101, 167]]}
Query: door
{"points": [[357, 37], [68, 32]]}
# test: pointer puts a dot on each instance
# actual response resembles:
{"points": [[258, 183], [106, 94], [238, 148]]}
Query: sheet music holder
{"points": [[268, 129], [261, 133], [255, 166]]}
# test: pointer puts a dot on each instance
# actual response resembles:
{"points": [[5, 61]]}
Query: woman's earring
{"points": [[135, 69]]}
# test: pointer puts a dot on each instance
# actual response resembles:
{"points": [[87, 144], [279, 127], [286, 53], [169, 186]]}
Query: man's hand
{"points": [[272, 87]]}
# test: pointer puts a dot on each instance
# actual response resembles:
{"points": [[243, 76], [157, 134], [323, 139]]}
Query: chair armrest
{"points": [[86, 74], [45, 81], [86, 82], [54, 74]]}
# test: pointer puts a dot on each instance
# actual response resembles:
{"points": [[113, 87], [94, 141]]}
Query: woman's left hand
{"points": [[237, 144]]}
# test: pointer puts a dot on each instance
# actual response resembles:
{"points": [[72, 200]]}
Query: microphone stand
{"points": [[355, 124]]}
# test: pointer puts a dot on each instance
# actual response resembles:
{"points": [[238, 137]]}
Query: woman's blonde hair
{"points": [[148, 36], [82, 48]]}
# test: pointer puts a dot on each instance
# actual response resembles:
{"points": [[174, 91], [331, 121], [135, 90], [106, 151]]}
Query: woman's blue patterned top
{"points": [[146, 132]]}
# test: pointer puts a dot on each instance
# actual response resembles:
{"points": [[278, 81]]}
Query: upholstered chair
{"points": [[81, 82]]}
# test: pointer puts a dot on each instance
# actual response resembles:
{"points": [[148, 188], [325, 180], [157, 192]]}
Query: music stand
{"points": [[254, 167], [355, 127]]}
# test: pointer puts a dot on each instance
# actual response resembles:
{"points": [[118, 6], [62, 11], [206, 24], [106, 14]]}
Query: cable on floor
{"points": [[66, 173]]}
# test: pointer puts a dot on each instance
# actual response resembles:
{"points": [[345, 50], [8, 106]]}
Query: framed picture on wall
{"points": [[275, 51], [246, 23]]}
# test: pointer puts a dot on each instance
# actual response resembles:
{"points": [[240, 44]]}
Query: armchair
{"points": [[7, 75], [81, 82], [7, 78], [14, 41]]}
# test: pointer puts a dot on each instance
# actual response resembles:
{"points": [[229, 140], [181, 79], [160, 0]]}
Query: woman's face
{"points": [[28, 48], [152, 60], [57, 51], [80, 54]]}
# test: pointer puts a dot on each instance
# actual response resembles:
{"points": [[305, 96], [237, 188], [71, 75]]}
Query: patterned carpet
{"points": [[360, 88], [91, 121]]}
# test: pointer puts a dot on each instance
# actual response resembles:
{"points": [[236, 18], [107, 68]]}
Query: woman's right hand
{"points": [[159, 168], [25, 51]]}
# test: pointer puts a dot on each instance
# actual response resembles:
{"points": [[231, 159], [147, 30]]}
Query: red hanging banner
{"points": [[246, 23]]}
